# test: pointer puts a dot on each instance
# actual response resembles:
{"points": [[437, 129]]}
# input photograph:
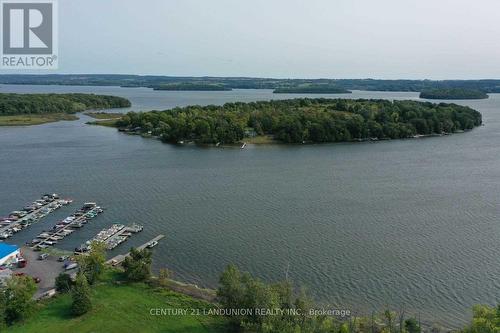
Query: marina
{"points": [[111, 237], [66, 227], [30, 214], [266, 206]]}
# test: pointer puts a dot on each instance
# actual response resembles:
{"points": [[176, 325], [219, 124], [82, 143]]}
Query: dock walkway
{"points": [[35, 215], [121, 257], [60, 233]]}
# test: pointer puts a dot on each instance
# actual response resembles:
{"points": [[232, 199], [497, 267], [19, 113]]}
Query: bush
{"points": [[64, 283], [18, 298], [138, 265]]}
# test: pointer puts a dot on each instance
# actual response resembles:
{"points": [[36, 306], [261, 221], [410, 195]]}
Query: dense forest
{"points": [[453, 93], [152, 81], [16, 104], [303, 120], [312, 89]]}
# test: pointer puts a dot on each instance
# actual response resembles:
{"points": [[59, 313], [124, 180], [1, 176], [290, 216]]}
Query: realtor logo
{"points": [[29, 34]]}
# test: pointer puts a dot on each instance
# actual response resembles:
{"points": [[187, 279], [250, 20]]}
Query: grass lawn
{"points": [[122, 308], [34, 119]]}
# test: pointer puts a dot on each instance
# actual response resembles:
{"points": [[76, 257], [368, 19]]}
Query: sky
{"points": [[391, 39]]}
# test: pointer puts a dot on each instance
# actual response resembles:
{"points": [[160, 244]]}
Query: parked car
{"points": [[63, 258], [43, 256], [22, 263], [36, 279], [70, 265]]}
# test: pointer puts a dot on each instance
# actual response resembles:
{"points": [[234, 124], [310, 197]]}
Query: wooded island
{"points": [[302, 120], [453, 93]]}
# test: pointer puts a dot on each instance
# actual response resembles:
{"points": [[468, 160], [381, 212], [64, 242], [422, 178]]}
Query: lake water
{"points": [[411, 223]]}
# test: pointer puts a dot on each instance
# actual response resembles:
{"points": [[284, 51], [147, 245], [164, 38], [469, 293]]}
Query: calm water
{"points": [[362, 226]]}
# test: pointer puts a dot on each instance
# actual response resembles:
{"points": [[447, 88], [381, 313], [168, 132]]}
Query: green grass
{"points": [[121, 308], [34, 119]]}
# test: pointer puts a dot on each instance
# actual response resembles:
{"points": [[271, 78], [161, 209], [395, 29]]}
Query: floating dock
{"points": [[111, 237], [66, 227], [121, 257], [31, 213]]}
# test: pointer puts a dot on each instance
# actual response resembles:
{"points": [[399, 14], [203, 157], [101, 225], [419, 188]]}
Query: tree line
{"points": [[453, 93], [303, 120], [15, 104], [191, 87], [312, 89], [151, 81]]}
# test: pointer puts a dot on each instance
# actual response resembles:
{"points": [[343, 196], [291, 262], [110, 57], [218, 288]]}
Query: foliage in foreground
{"points": [[239, 290], [485, 319], [303, 119], [80, 294], [137, 265], [64, 283], [119, 307], [92, 264], [294, 313], [16, 300]]}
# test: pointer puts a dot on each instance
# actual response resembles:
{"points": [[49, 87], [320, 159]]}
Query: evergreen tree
{"points": [[81, 296]]}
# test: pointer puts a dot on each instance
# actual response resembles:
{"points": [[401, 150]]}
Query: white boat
{"points": [[243, 145], [152, 244]]}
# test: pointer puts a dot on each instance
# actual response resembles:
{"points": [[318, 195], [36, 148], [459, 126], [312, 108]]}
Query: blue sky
{"points": [[434, 39]]}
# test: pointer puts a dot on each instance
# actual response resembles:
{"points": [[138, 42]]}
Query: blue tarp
{"points": [[7, 249]]}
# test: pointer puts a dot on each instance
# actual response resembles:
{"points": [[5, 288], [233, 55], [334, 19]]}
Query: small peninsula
{"points": [[34, 109], [453, 93], [301, 120]]}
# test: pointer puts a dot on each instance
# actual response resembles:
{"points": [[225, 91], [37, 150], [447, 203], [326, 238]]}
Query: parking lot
{"points": [[47, 270]]}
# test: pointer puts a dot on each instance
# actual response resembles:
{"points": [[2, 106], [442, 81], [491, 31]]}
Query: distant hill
{"points": [[173, 82], [191, 87], [312, 89]]}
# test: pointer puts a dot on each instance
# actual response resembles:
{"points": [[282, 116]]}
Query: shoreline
{"points": [[35, 119], [268, 140]]}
